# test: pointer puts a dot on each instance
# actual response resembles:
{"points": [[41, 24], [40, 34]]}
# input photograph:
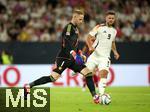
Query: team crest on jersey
{"points": [[60, 68], [77, 31], [67, 33], [104, 31], [102, 24]]}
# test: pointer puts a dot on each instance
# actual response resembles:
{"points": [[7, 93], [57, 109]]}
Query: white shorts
{"points": [[103, 63]]}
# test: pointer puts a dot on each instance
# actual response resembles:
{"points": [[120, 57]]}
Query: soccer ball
{"points": [[105, 99]]}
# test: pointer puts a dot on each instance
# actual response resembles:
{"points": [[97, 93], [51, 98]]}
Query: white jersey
{"points": [[104, 36]]}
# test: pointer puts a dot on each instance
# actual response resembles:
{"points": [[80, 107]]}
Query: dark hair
{"points": [[110, 12]]}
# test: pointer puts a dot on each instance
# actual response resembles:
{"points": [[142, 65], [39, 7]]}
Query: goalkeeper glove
{"points": [[77, 57]]}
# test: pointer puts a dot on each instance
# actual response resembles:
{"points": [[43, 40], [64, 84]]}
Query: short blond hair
{"points": [[78, 11]]}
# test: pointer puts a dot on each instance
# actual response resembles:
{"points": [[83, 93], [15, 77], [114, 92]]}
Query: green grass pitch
{"points": [[124, 99]]}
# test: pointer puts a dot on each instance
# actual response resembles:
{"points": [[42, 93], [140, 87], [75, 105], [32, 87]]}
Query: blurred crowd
{"points": [[44, 20]]}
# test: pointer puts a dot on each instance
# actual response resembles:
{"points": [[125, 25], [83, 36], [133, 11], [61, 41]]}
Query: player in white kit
{"points": [[104, 36]]}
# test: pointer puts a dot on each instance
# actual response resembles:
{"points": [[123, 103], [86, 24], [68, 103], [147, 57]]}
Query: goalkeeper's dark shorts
{"points": [[63, 63]]}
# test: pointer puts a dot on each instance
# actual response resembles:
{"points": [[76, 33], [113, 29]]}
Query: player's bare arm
{"points": [[114, 49], [89, 42]]}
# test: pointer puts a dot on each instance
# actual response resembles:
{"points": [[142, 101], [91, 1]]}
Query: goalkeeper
{"points": [[68, 58]]}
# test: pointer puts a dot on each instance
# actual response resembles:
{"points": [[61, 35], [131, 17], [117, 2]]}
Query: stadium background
{"points": [[30, 31]]}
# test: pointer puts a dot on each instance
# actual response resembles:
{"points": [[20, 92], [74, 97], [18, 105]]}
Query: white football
{"points": [[105, 99]]}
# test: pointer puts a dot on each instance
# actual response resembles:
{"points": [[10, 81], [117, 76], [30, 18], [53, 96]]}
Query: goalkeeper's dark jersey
{"points": [[69, 40]]}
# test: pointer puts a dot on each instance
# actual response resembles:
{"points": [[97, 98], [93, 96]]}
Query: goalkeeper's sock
{"points": [[42, 80], [102, 86], [90, 84]]}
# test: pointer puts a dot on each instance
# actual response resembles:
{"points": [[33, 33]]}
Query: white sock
{"points": [[102, 85]]}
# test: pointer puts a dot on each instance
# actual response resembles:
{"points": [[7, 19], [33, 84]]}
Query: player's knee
{"points": [[88, 74], [52, 79], [85, 71], [54, 76], [103, 73]]}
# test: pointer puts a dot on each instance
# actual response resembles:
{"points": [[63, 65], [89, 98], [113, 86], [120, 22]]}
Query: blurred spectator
{"points": [[3, 34], [138, 22], [26, 20], [45, 36], [127, 31], [2, 7], [6, 57], [119, 36]]}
